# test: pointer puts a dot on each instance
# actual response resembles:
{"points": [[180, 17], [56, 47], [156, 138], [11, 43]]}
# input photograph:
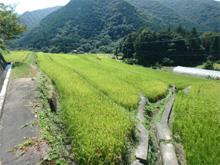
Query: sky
{"points": [[30, 5]]}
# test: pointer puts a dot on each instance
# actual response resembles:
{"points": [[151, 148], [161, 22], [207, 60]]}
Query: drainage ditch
{"points": [[154, 125]]}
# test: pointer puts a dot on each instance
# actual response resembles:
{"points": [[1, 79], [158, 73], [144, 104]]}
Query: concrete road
{"points": [[15, 114]]}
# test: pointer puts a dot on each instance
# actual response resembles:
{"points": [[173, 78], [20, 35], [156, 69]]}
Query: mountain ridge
{"points": [[87, 25], [32, 18], [83, 21]]}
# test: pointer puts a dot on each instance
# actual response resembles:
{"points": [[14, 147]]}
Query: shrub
{"points": [[209, 65], [167, 61], [131, 61]]}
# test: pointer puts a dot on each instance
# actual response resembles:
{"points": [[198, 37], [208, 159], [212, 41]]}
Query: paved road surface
{"points": [[15, 114]]}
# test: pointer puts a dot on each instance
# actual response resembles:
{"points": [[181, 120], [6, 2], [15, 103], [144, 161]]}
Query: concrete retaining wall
{"points": [[3, 65], [5, 71]]}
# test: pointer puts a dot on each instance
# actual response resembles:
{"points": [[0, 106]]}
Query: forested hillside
{"points": [[34, 17], [165, 14], [96, 25], [202, 12], [169, 47], [86, 25]]}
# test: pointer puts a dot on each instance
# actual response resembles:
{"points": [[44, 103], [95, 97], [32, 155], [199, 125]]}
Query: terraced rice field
{"points": [[17, 56], [98, 96]]}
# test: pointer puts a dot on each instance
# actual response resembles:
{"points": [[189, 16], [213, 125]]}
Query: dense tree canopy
{"points": [[96, 25], [9, 23], [85, 25], [202, 12], [169, 47], [165, 14]]}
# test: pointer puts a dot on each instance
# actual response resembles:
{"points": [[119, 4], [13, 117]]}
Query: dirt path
{"points": [[16, 113]]}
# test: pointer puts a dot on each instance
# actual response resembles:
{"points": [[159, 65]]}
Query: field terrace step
{"points": [[163, 132], [141, 107], [167, 111], [168, 154], [167, 151], [142, 150]]}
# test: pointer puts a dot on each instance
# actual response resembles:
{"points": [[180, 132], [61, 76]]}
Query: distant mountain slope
{"points": [[34, 17], [203, 12], [81, 22], [165, 14], [91, 24]]}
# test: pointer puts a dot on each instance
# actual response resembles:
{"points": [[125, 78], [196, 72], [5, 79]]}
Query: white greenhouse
{"points": [[197, 72]]}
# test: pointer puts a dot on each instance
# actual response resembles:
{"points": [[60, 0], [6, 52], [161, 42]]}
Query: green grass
{"points": [[167, 69], [112, 55], [4, 52], [17, 56], [22, 67]]}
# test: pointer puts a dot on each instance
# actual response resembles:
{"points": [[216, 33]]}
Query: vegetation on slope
{"points": [[31, 19], [101, 131], [22, 66], [86, 25], [165, 14], [169, 47], [96, 25], [197, 122], [17, 56], [9, 26], [202, 12]]}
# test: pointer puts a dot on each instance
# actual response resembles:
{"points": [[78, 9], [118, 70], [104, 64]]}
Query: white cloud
{"points": [[30, 5]]}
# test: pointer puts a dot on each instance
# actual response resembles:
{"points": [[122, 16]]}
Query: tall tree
{"points": [[9, 23]]}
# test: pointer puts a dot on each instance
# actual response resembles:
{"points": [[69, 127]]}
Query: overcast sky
{"points": [[30, 5]]}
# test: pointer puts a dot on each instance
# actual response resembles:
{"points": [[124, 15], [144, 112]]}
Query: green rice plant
{"points": [[203, 101], [88, 85], [197, 122], [17, 56], [122, 79], [99, 129], [119, 91]]}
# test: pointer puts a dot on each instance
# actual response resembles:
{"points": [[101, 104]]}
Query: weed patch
{"points": [[52, 126]]}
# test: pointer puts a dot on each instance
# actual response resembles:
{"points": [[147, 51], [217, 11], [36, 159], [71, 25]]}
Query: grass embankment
{"points": [[22, 66], [4, 52], [99, 130], [88, 86]]}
